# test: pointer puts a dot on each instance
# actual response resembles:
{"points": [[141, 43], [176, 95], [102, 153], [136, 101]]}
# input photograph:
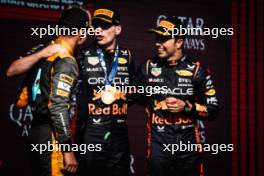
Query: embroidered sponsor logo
{"points": [[210, 92], [166, 24], [185, 80], [170, 120], [62, 93], [155, 71], [93, 60], [157, 80], [161, 128], [97, 69], [64, 86], [113, 109], [153, 64], [122, 68], [97, 121], [190, 67], [65, 78], [122, 60], [212, 100], [124, 52], [105, 12], [184, 73]]}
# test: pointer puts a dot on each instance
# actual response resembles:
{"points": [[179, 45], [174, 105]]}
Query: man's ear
{"points": [[179, 43], [118, 30], [81, 37], [81, 40]]}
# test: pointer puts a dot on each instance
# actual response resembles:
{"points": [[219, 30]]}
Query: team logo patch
{"points": [[155, 71], [66, 78], [122, 60], [93, 60], [184, 73], [210, 92]]}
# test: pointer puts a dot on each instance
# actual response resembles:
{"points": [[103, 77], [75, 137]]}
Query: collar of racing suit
{"points": [[65, 45], [177, 62], [165, 62], [109, 52]]}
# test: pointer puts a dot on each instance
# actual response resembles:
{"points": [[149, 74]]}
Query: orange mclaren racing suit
{"points": [[49, 89]]}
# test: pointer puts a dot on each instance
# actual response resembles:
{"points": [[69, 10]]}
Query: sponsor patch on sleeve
{"points": [[210, 92], [62, 93], [66, 78], [64, 86]]}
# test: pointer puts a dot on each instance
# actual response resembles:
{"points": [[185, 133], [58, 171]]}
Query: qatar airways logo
{"points": [[195, 30], [22, 117], [190, 42]]}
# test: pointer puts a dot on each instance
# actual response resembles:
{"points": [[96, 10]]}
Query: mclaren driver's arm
{"points": [[63, 78]]}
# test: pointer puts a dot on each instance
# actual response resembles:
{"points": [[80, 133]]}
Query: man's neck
{"points": [[70, 42], [175, 58], [110, 46]]}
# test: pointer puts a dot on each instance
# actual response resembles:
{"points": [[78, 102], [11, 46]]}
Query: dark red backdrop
{"points": [[247, 87]]}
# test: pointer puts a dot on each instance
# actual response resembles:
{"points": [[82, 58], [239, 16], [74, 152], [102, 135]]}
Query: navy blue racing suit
{"points": [[188, 81]]}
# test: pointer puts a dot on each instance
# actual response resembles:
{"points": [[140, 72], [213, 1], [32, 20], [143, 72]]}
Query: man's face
{"points": [[167, 47], [107, 33]]}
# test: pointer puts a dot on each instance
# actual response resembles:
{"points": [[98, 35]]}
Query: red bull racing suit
{"points": [[102, 116], [187, 81]]}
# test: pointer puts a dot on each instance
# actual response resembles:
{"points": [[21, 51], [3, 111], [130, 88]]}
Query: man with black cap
{"points": [[173, 112], [102, 109], [49, 89]]}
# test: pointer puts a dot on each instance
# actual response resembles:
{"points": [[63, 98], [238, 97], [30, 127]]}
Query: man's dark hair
{"points": [[74, 18]]}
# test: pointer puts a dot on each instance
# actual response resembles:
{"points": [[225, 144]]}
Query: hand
{"points": [[175, 105], [50, 50], [70, 163]]}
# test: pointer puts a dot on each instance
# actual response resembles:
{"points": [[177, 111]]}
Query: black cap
{"points": [[166, 26], [106, 15], [74, 18]]}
